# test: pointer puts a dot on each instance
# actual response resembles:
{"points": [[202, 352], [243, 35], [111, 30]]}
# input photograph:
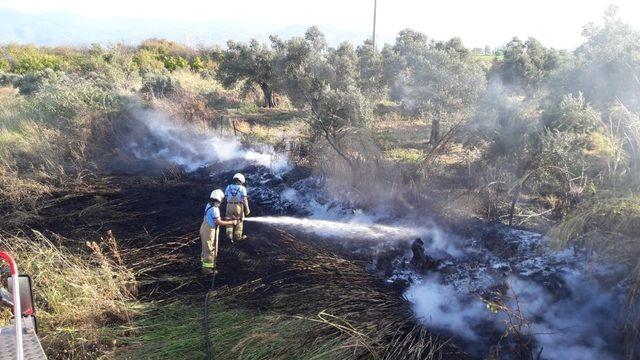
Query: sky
{"points": [[557, 23]]}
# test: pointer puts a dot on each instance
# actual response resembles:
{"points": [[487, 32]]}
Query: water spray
{"points": [[352, 230]]}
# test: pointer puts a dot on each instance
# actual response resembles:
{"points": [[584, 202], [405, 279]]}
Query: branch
{"points": [[327, 136]]}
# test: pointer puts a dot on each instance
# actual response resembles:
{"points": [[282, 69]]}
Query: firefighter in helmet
{"points": [[210, 229], [237, 206]]}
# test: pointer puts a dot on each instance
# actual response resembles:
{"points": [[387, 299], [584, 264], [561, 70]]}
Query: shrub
{"points": [[196, 64], [249, 107], [158, 84], [4, 65], [147, 61], [59, 104], [572, 114], [29, 59], [173, 63], [34, 80]]}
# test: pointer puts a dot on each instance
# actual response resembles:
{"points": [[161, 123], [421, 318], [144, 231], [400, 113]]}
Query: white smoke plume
{"points": [[576, 326], [331, 220], [580, 323], [440, 306], [166, 141]]}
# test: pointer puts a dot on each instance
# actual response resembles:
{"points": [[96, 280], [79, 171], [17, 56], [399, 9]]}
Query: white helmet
{"points": [[239, 177], [217, 195]]}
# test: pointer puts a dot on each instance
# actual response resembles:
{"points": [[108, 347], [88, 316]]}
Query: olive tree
{"points": [[607, 66], [434, 79], [370, 71], [251, 63], [527, 63], [323, 80]]}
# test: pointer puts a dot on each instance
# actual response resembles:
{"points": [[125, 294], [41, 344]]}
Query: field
{"points": [[108, 153]]}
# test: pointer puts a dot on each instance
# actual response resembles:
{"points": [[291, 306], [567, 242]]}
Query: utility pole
{"points": [[375, 13]]}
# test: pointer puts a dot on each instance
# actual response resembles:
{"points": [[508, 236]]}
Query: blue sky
{"points": [[556, 23]]}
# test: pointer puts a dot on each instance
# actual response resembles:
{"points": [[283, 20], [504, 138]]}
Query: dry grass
{"points": [[79, 296], [608, 226], [346, 306], [393, 130]]}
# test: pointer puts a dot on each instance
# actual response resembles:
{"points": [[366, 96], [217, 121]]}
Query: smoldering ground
{"points": [[567, 314]]}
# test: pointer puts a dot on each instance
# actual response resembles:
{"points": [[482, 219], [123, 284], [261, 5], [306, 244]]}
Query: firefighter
{"points": [[210, 229], [237, 206]]}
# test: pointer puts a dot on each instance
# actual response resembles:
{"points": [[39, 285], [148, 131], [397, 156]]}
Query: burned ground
{"points": [[155, 220]]}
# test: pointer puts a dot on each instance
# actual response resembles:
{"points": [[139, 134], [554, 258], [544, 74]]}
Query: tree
{"points": [[607, 66], [323, 80], [527, 63], [251, 63], [436, 79], [344, 62], [370, 71]]}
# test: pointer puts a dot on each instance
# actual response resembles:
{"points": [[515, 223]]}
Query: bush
{"points": [[49, 131], [29, 59], [61, 103], [158, 84], [32, 81], [572, 114], [4, 65], [249, 107], [173, 63], [147, 61]]}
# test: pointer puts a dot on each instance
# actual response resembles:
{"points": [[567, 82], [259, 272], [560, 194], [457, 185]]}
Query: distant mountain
{"points": [[52, 29]]}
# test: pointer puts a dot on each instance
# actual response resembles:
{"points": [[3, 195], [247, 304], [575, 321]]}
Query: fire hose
{"points": [[207, 338]]}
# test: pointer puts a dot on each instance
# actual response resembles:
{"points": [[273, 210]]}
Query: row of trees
{"points": [[339, 85], [561, 127]]}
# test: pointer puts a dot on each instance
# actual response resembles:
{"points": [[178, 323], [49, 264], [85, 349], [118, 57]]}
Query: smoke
{"points": [[577, 326], [439, 306], [167, 142], [331, 218], [578, 322], [363, 227]]}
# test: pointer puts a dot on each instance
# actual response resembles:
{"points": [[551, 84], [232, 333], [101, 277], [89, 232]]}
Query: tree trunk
{"points": [[335, 147], [268, 95], [435, 131], [514, 202]]}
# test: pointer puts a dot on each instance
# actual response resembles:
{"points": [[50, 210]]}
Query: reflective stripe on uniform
{"points": [[208, 265]]}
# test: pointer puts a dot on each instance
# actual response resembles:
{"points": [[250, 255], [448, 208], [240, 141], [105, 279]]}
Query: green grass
{"points": [[270, 126], [174, 330], [401, 155]]}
